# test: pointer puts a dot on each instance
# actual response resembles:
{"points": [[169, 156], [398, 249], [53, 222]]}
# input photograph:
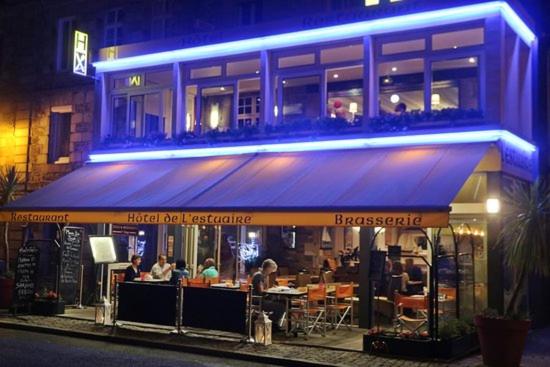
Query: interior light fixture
{"points": [[336, 76], [472, 60], [492, 206], [406, 22], [394, 69], [395, 98]]}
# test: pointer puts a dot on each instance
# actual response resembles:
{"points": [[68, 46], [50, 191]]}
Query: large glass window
{"points": [[341, 54], [298, 60], [207, 72], [190, 98], [401, 86], [455, 84], [119, 120], [392, 48], [345, 93], [243, 67], [217, 108], [301, 98], [458, 39], [248, 109]]}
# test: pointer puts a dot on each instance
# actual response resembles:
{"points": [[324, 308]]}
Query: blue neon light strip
{"points": [[483, 136], [359, 29]]}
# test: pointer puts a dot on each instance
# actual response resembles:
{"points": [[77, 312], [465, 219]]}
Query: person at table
{"points": [[161, 270], [179, 272], [260, 284], [397, 271], [416, 282], [132, 272], [209, 270]]}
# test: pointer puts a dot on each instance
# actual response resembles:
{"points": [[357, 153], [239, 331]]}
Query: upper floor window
{"points": [[59, 136], [250, 12], [342, 54], [65, 35], [113, 27], [297, 60], [161, 16]]}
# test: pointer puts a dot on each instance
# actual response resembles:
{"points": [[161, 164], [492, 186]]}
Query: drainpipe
{"points": [[27, 163]]}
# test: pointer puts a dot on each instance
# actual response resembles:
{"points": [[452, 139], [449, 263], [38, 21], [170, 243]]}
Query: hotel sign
{"points": [[80, 53], [329, 219]]}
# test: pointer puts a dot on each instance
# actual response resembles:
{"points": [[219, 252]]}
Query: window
{"points": [[65, 35], [250, 12], [299, 60], [207, 72], [119, 117], [401, 86], [190, 117], [457, 39], [455, 84], [341, 54], [248, 110], [392, 48], [161, 15], [301, 98], [159, 78], [372, 2], [59, 136], [345, 93], [216, 108], [113, 27], [145, 115], [243, 67]]}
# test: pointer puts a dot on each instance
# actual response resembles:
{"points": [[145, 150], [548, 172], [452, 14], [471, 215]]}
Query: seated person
{"points": [[132, 272], [161, 270], [397, 270], [209, 269], [179, 272], [415, 285], [259, 286]]}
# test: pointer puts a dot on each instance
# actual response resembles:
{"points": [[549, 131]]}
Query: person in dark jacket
{"points": [[132, 272]]}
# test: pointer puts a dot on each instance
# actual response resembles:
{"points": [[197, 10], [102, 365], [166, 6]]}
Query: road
{"points": [[28, 349]]}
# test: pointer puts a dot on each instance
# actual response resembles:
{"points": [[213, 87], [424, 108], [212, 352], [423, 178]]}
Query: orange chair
{"points": [[418, 304], [343, 305], [198, 283], [312, 315]]}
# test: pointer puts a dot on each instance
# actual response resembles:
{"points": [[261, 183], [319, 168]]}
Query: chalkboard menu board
{"points": [[69, 275], [26, 270]]}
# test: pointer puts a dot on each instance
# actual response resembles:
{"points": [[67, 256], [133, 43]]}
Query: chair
{"points": [[418, 304], [327, 277], [343, 305], [394, 286], [302, 280], [448, 292], [198, 283], [312, 313]]}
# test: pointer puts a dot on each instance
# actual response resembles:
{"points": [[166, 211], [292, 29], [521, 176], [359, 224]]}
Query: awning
{"points": [[398, 187]]}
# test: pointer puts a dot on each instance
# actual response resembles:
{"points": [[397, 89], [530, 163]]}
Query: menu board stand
{"points": [[26, 272], [70, 274]]}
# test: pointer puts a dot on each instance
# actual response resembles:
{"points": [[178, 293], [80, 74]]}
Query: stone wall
{"points": [[15, 119]]}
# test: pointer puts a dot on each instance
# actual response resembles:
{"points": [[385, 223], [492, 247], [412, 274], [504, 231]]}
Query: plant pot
{"points": [[46, 307], [501, 341], [6, 292]]}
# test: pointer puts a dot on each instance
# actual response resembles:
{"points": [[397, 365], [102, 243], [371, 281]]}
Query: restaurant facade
{"points": [[345, 147]]}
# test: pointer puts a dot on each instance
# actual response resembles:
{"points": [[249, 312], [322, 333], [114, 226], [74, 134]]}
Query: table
{"points": [[225, 285], [287, 294]]}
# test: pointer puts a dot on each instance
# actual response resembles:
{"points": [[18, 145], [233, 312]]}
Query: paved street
{"points": [[28, 349]]}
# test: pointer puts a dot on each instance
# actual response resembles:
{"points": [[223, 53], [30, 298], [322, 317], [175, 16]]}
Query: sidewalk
{"points": [[282, 354]]}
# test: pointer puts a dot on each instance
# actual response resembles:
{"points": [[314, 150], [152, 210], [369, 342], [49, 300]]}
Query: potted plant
{"points": [[9, 181], [7, 282], [523, 240]]}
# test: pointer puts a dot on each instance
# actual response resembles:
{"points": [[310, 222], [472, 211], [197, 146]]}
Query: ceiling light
{"points": [[472, 60], [394, 69], [335, 76], [395, 98], [222, 88]]}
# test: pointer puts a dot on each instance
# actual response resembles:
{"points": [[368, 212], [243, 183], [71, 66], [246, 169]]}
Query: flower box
{"points": [[446, 349], [48, 307]]}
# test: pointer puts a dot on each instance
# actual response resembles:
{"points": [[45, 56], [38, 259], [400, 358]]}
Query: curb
{"points": [[168, 346]]}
